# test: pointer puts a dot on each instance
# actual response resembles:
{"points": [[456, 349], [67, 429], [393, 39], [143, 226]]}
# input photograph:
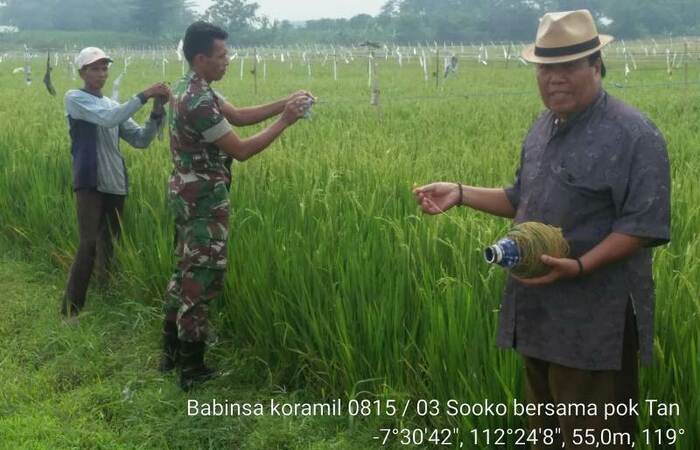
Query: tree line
{"points": [[399, 21]]}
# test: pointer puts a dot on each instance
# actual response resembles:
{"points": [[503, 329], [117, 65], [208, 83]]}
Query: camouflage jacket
{"points": [[196, 122]]}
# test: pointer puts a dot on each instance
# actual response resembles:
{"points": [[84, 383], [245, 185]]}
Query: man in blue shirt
{"points": [[599, 170], [99, 174]]}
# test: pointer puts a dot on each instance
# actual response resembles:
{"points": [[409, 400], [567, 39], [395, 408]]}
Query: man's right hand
{"points": [[295, 108], [438, 197], [158, 89], [300, 93]]}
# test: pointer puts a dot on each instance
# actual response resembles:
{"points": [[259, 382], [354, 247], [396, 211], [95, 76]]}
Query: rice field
{"points": [[337, 283]]}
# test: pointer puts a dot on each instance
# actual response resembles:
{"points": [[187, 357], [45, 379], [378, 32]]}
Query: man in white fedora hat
{"points": [[599, 170], [99, 174]]}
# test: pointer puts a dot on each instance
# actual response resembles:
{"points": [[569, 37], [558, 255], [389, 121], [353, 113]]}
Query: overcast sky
{"points": [[310, 9]]}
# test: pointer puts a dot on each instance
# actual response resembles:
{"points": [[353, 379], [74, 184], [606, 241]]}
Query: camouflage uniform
{"points": [[198, 196]]}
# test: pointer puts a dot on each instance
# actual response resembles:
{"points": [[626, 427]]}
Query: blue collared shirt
{"points": [[605, 170]]}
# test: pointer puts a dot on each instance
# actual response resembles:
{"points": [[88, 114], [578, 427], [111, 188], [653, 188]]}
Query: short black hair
{"points": [[593, 57], [199, 39]]}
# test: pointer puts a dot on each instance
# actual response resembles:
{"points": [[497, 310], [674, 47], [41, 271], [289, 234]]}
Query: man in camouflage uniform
{"points": [[202, 146]]}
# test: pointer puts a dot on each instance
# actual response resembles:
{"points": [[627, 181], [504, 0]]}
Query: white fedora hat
{"points": [[565, 36]]}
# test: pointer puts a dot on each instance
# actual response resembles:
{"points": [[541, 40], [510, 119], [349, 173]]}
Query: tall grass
{"points": [[336, 281]]}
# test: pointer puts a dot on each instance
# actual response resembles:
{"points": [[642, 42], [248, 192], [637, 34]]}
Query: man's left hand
{"points": [[562, 268], [300, 94]]}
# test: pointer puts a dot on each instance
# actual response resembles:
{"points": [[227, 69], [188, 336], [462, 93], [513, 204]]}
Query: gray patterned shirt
{"points": [[605, 170]]}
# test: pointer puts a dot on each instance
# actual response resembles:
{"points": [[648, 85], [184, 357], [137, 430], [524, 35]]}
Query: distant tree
{"points": [[361, 22], [390, 9], [235, 16], [158, 17], [648, 17], [29, 14], [285, 26], [400, 21], [514, 19], [182, 17]]}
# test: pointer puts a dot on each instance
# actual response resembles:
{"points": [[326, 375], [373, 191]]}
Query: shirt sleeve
{"points": [[643, 198], [206, 118], [219, 95], [81, 106], [137, 136]]}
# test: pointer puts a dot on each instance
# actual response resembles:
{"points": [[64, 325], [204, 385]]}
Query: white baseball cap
{"points": [[89, 55]]}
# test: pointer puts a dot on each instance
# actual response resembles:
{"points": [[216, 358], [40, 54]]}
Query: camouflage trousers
{"points": [[201, 207]]}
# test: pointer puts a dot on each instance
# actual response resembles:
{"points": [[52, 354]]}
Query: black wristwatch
{"points": [[142, 97]]}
